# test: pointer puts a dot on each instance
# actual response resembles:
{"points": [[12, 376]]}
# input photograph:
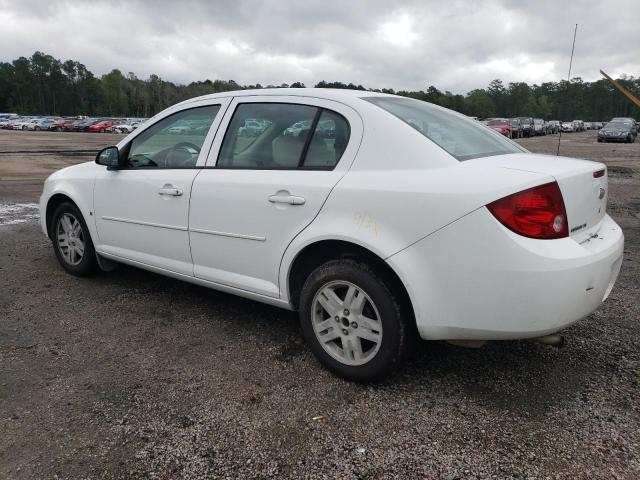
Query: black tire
{"points": [[88, 264], [398, 327]]}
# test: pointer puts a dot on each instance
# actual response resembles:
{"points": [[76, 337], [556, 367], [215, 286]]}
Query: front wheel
{"points": [[354, 320], [72, 242]]}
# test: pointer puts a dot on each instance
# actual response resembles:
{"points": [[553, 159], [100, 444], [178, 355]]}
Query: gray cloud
{"points": [[455, 45]]}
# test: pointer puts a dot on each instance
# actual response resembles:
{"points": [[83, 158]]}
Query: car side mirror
{"points": [[109, 157]]}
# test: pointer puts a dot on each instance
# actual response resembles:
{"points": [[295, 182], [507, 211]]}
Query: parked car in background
{"points": [[253, 127], [8, 120], [136, 122], [578, 125], [120, 128], [179, 128], [58, 124], [83, 125], [62, 124], [627, 120], [617, 131], [19, 123], [516, 128], [101, 126], [128, 125], [501, 125], [38, 124], [539, 127], [568, 127], [311, 224], [553, 126], [528, 128]]}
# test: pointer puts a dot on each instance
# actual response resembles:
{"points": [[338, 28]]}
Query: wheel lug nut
{"points": [[345, 331], [354, 325], [337, 318], [346, 311]]}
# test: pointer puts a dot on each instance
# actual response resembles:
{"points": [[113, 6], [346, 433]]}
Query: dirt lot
{"points": [[133, 375]]}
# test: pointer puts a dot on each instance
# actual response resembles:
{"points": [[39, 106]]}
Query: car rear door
{"points": [[142, 211], [254, 196]]}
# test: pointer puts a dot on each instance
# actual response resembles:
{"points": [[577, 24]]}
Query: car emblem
{"points": [[601, 193]]}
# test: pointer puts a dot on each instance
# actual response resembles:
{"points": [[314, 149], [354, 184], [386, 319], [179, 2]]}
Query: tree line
{"points": [[44, 85]]}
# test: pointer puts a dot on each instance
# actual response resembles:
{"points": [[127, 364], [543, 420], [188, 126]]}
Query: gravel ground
{"points": [[133, 375]]}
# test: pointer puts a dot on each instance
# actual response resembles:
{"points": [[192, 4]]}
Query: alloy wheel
{"points": [[70, 237], [346, 323]]}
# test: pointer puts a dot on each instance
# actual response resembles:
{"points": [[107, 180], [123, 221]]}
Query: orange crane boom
{"points": [[622, 89]]}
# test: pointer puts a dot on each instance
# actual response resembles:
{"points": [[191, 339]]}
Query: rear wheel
{"points": [[354, 321], [72, 242]]}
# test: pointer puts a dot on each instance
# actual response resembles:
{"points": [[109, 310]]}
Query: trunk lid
{"points": [[585, 194]]}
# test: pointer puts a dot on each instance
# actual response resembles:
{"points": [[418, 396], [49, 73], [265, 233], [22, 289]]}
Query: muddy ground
{"points": [[133, 375]]}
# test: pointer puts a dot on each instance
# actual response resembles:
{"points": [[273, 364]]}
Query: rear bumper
{"points": [[475, 279]]}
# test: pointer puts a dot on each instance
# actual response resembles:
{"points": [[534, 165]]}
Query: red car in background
{"points": [[100, 127], [501, 125], [62, 124]]}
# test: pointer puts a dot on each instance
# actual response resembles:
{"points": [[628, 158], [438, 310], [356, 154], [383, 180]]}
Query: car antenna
{"points": [[575, 32]]}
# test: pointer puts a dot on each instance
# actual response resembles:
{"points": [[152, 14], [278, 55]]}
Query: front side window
{"points": [[173, 142], [461, 138], [272, 136]]}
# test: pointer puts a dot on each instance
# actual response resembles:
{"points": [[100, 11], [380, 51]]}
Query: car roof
{"points": [[337, 94]]}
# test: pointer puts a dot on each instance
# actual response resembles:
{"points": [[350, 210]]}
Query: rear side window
{"points": [[329, 141], [277, 136], [462, 138]]}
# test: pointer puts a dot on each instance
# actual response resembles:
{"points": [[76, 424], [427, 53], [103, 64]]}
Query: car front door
{"points": [[261, 188], [142, 210]]}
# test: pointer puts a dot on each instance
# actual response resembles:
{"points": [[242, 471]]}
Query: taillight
{"points": [[536, 213]]}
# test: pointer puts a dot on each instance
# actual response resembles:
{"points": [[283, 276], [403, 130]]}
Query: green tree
{"points": [[479, 104], [43, 84]]}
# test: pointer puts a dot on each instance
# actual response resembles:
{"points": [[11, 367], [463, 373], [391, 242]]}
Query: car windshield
{"points": [[622, 119], [498, 122], [618, 125], [459, 136]]}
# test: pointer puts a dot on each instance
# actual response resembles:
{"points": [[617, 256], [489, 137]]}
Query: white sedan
{"points": [[408, 221]]}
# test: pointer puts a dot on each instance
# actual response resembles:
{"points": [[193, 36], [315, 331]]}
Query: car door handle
{"points": [[290, 199], [169, 190]]}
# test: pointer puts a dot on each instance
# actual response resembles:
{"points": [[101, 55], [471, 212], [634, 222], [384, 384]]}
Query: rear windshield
{"points": [[462, 138], [498, 122]]}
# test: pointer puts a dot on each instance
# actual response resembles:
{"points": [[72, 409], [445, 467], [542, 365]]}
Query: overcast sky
{"points": [[454, 45]]}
